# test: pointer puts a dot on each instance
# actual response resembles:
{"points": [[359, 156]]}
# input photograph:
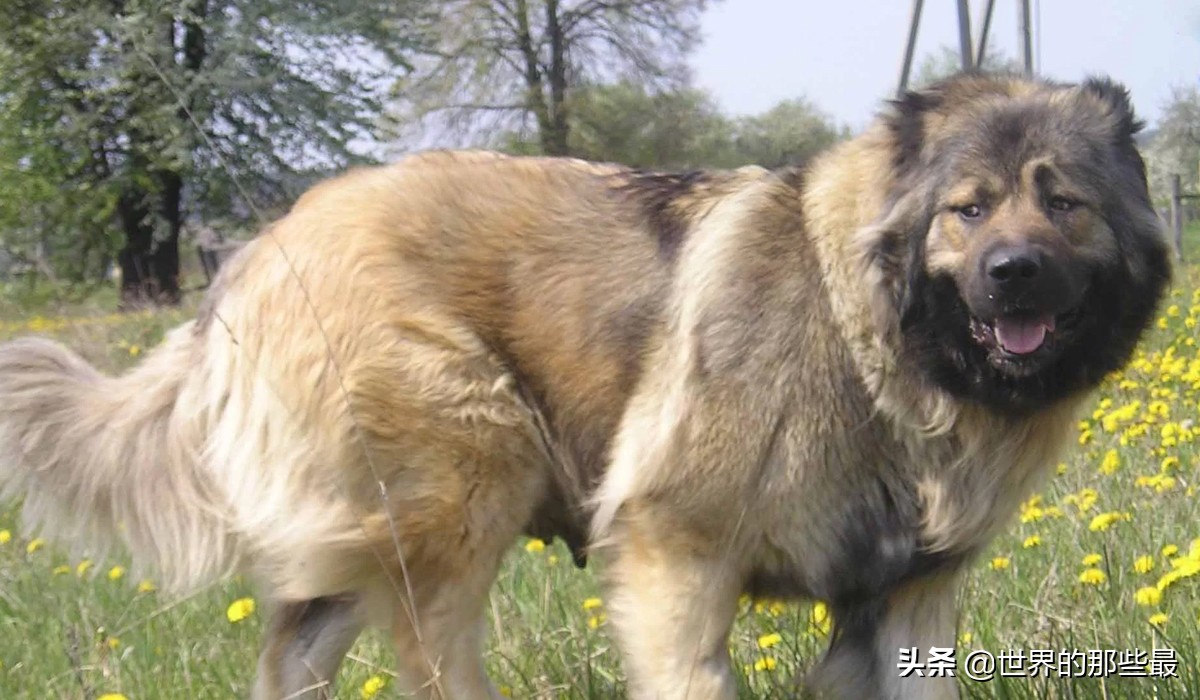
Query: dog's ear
{"points": [[894, 247], [905, 119], [1114, 98]]}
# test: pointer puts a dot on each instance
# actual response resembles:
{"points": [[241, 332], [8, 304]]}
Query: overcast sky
{"points": [[845, 55]]}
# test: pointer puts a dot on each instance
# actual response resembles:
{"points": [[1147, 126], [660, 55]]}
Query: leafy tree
{"points": [[790, 132], [494, 65], [630, 123], [946, 61], [1175, 147], [133, 114]]}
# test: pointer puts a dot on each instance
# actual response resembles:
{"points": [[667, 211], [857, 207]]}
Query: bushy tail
{"points": [[99, 459]]}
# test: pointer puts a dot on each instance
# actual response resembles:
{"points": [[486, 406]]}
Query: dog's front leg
{"points": [[672, 598], [865, 658]]}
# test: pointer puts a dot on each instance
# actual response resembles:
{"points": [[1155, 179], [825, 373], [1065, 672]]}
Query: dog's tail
{"points": [[99, 459]]}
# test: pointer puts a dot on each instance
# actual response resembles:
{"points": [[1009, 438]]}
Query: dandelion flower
{"points": [[1111, 462], [146, 586], [115, 573], [240, 609], [1159, 619], [1143, 565], [819, 622], [5, 536], [965, 639], [34, 545], [1000, 563], [112, 696], [60, 570], [767, 641], [595, 621], [766, 663], [1092, 577], [535, 546], [1148, 596], [592, 603], [1092, 559], [82, 567], [1170, 550], [372, 686], [1103, 521], [1032, 541]]}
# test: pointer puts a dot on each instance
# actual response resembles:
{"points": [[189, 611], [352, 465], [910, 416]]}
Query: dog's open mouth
{"points": [[1021, 336]]}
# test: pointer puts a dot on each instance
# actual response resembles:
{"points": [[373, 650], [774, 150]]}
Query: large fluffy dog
{"points": [[834, 382]]}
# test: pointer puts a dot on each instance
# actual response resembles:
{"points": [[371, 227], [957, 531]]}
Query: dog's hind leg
{"points": [[305, 644]]}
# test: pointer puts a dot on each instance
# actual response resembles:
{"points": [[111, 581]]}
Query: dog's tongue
{"points": [[1022, 336]]}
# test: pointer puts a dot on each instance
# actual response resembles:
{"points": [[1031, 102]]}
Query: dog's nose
{"points": [[1013, 267]]}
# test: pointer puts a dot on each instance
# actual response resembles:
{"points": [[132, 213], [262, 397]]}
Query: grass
{"points": [[1123, 500]]}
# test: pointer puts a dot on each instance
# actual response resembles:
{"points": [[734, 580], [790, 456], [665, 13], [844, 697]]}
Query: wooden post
{"points": [[906, 66], [981, 47], [966, 55], [1177, 214], [1026, 31]]}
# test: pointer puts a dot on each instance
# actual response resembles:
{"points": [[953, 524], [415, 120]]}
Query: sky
{"points": [[845, 55]]}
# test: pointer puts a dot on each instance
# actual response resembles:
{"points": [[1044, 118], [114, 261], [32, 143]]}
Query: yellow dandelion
{"points": [[1092, 559], [1103, 521], [372, 686], [115, 573], [5, 536], [61, 570], [1170, 550], [1000, 563], [766, 663], [34, 545], [505, 691], [1110, 463], [1143, 565], [596, 620], [965, 639], [819, 622], [112, 696], [1032, 541], [146, 586], [112, 643], [134, 350], [240, 609], [1092, 577], [535, 546], [592, 603], [552, 559], [1159, 619], [767, 641], [1147, 596], [82, 567]]}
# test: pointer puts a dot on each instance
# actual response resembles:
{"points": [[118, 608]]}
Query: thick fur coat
{"points": [[836, 382]]}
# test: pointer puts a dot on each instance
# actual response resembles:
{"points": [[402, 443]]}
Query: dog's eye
{"points": [[969, 211], [1061, 204]]}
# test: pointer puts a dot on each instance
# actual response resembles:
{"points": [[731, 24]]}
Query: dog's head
{"points": [[1021, 254]]}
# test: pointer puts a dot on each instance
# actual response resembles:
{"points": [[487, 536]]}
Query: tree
{"points": [[947, 61], [1175, 147], [627, 122], [143, 111], [494, 65], [791, 132]]}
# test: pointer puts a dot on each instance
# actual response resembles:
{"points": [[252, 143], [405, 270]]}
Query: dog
{"points": [[835, 381]]}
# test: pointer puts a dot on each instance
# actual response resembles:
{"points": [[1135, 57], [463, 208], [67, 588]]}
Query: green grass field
{"points": [[1107, 556]]}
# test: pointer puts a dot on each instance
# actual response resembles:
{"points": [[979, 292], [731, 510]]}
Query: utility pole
{"points": [[968, 59]]}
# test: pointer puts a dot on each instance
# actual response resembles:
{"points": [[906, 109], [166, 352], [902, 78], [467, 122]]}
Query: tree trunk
{"points": [[555, 141]]}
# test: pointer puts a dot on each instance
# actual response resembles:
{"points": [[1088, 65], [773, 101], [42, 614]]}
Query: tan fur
{"points": [[423, 360]]}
